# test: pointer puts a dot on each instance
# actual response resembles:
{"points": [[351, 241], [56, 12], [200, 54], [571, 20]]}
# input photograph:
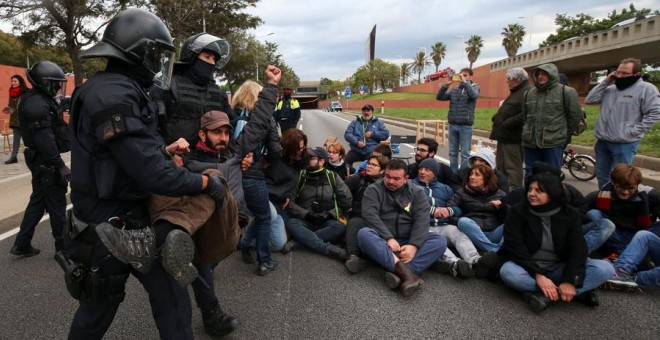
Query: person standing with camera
{"points": [[45, 137]]}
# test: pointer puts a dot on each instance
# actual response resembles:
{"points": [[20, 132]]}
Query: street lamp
{"points": [[256, 57], [400, 71], [462, 49], [531, 23]]}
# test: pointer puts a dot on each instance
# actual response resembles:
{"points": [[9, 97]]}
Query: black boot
{"points": [[410, 282], [588, 298], [27, 252], [537, 302], [11, 160], [217, 323], [335, 252]]}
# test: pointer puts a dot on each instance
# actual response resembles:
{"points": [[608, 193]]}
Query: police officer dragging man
{"points": [[45, 136], [118, 160], [287, 111]]}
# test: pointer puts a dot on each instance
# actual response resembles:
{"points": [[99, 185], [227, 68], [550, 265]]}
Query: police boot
{"points": [[177, 254], [410, 282], [217, 323], [136, 247]]}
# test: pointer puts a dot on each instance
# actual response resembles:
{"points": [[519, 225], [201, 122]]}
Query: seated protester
{"points": [[438, 194], [627, 273], [398, 237], [336, 163], [317, 211], [364, 134], [546, 252], [379, 150], [485, 156], [595, 232], [427, 148], [628, 204], [481, 202], [357, 184]]}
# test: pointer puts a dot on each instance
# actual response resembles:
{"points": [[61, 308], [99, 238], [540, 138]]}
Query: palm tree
{"points": [[473, 49], [405, 71], [437, 53], [420, 61], [513, 37]]}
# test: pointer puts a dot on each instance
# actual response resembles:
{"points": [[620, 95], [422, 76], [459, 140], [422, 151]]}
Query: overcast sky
{"points": [[327, 38]]}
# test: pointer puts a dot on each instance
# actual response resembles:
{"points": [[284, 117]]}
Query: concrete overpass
{"points": [[579, 56]]}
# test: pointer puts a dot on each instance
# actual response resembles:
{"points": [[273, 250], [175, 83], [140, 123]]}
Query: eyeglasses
{"points": [[629, 189], [373, 165]]}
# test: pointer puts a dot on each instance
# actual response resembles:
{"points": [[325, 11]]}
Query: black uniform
{"points": [[44, 135], [117, 162]]}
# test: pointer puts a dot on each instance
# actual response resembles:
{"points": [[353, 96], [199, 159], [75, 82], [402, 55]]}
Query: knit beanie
{"points": [[431, 164], [486, 154]]}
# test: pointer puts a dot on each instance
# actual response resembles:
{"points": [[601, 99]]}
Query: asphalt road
{"points": [[313, 297]]}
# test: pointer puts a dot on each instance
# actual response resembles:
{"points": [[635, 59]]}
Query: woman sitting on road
{"points": [[480, 202], [336, 155], [547, 252]]}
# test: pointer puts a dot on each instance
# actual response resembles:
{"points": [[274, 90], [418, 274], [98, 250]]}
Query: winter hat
{"points": [[486, 154], [540, 167], [431, 164]]}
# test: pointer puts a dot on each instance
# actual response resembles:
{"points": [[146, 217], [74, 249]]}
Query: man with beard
{"points": [[427, 148], [318, 207], [628, 108], [287, 111]]}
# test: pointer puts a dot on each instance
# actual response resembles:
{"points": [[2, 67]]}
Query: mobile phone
{"points": [[456, 77]]}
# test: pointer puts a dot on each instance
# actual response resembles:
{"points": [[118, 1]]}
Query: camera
{"points": [[456, 77]]}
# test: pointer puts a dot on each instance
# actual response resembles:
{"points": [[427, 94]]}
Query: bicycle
{"points": [[582, 167]]}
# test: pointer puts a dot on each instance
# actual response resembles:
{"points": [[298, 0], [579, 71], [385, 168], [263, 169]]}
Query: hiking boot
{"points": [[136, 247], [335, 252], [621, 281], [289, 246], [266, 267], [537, 302], [461, 269], [410, 282], [392, 281], [588, 298], [249, 256], [217, 323], [354, 264], [27, 252], [485, 264], [442, 267], [177, 254]]}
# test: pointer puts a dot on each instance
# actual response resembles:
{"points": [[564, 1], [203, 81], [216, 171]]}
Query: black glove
{"points": [[216, 189], [65, 174]]}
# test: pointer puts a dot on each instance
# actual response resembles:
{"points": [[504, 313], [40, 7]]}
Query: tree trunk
{"points": [[77, 65]]}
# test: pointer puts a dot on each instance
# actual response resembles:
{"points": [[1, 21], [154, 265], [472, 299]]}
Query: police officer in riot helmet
{"points": [[118, 159], [45, 137], [193, 90]]}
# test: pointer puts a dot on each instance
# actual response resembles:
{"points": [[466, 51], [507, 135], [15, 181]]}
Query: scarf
{"points": [[640, 201], [201, 145], [15, 92]]}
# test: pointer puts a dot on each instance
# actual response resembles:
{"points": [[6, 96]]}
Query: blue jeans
{"points": [[644, 243], [597, 231], [516, 277], [315, 237], [483, 240], [552, 156], [609, 154], [620, 238], [256, 197], [277, 232], [375, 247], [460, 140]]}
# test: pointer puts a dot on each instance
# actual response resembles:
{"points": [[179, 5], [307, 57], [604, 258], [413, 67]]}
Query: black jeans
{"points": [[352, 228]]}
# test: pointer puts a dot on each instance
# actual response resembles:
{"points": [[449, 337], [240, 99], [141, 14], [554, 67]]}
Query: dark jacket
{"points": [[438, 195], [355, 133], [357, 184], [281, 180], [464, 175], [446, 176], [625, 214], [508, 121], [402, 214], [462, 101], [523, 233], [343, 170], [477, 207], [316, 187]]}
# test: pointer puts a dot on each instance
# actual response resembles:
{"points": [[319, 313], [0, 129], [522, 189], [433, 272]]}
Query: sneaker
{"points": [[335, 252], [136, 247], [249, 256], [27, 252], [442, 267], [611, 258], [622, 280], [461, 269], [266, 267], [485, 264], [217, 323], [354, 264], [177, 254], [289, 246]]}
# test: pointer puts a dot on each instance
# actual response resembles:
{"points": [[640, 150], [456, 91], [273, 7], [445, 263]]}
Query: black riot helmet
{"points": [[194, 45], [141, 39], [47, 77]]}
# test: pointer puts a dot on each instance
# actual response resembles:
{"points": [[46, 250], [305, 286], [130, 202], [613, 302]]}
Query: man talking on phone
{"points": [[462, 94]]}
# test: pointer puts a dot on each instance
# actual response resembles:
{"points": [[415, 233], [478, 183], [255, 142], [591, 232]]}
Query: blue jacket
{"points": [[462, 101], [356, 130], [438, 195]]}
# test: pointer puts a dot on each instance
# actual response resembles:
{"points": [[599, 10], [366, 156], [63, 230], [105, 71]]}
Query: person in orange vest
{"points": [[287, 111]]}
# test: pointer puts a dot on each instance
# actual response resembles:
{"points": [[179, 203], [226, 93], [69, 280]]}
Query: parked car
{"points": [[336, 107]]}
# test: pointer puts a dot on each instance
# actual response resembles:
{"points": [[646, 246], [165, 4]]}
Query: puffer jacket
{"points": [[551, 112], [438, 195], [476, 206], [355, 133], [462, 101], [508, 121]]}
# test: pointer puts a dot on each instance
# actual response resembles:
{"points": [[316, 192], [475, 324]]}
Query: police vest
{"points": [[286, 108]]}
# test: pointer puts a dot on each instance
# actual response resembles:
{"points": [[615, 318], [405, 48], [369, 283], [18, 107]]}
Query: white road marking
{"points": [[13, 178], [15, 230]]}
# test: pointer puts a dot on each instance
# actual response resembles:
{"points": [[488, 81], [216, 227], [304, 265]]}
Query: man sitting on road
{"points": [[317, 211], [427, 148], [397, 237], [363, 134]]}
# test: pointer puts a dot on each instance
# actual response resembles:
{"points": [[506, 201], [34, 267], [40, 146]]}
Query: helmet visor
{"points": [[218, 46], [55, 87], [160, 61]]}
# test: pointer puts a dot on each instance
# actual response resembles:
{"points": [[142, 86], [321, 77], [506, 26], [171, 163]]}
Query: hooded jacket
{"points": [[551, 112], [356, 130], [508, 121]]}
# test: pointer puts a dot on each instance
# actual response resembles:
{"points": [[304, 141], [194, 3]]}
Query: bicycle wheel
{"points": [[582, 167]]}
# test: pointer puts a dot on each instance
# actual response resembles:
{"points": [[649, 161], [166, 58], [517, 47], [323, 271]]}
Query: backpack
{"points": [[332, 179], [582, 124]]}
